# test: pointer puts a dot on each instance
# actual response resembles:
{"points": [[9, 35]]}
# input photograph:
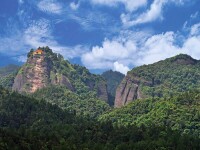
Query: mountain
{"points": [[113, 79], [162, 79], [29, 123], [7, 75], [45, 69]]}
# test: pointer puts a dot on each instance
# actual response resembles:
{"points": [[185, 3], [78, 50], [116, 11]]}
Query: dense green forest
{"points": [[83, 105], [27, 123], [168, 77], [7, 75], [56, 117], [180, 112]]}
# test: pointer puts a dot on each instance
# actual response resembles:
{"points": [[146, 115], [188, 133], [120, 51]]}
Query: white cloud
{"points": [[38, 34], [120, 68], [111, 51], [192, 46], [50, 6], [130, 5], [158, 47], [124, 52], [195, 29], [155, 12], [152, 14], [74, 6]]}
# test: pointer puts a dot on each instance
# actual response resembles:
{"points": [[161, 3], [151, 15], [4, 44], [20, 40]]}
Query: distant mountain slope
{"points": [[113, 79], [45, 68], [162, 79], [7, 75]]}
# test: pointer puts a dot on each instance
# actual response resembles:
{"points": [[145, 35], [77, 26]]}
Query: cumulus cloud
{"points": [[130, 5], [106, 56], [120, 68], [123, 53], [191, 46], [158, 47], [50, 6]]}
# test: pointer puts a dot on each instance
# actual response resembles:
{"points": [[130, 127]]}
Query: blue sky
{"points": [[100, 34]]}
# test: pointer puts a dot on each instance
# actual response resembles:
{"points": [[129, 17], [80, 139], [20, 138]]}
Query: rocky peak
{"points": [[45, 68], [39, 72], [183, 59], [163, 78]]}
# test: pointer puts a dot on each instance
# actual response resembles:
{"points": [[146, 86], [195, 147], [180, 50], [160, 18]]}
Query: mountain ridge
{"points": [[160, 79], [48, 68]]}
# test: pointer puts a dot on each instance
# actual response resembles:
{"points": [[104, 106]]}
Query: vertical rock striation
{"points": [[127, 91]]}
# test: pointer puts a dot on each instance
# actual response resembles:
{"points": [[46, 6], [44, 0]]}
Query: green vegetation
{"points": [[82, 80], [180, 113], [26, 123], [60, 117], [169, 77], [7, 75], [88, 105]]}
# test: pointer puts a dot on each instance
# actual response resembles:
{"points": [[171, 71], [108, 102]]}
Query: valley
{"points": [[49, 103]]}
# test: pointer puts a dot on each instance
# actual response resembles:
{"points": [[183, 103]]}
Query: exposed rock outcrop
{"points": [[161, 79], [127, 91], [36, 74], [45, 68]]}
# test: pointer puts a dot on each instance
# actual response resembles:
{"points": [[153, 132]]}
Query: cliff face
{"points": [[37, 74], [113, 79], [48, 68], [129, 90], [162, 79]]}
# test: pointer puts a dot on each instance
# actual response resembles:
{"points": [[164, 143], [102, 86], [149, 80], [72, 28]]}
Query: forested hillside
{"points": [[26, 123], [83, 104], [162, 79], [181, 113], [7, 75]]}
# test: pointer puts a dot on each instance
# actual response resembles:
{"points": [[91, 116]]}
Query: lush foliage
{"points": [[26, 123], [113, 79], [83, 105], [80, 77], [7, 75], [56, 117], [179, 113], [169, 77]]}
